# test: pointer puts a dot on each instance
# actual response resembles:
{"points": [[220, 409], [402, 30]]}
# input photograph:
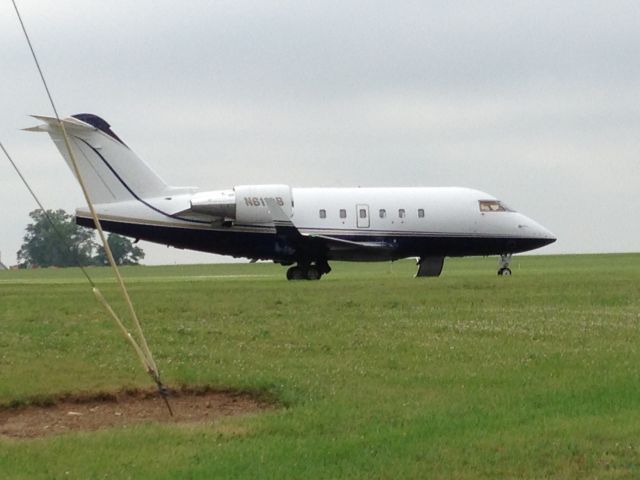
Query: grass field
{"points": [[380, 375]]}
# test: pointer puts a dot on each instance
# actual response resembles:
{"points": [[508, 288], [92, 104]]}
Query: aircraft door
{"points": [[362, 214]]}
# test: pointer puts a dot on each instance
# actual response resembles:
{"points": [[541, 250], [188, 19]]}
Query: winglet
{"points": [[277, 213], [284, 225]]}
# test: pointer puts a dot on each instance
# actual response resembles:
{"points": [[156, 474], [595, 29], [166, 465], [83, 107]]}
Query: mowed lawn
{"points": [[378, 374]]}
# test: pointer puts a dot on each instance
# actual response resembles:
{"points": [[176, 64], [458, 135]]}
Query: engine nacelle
{"points": [[251, 205], [245, 204], [218, 203]]}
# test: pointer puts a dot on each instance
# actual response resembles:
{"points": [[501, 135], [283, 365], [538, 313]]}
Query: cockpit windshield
{"points": [[493, 206]]}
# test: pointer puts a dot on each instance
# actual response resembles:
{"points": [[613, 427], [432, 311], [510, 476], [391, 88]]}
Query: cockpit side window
{"points": [[493, 206]]}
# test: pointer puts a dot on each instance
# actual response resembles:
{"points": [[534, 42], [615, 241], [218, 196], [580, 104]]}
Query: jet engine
{"points": [[244, 204]]}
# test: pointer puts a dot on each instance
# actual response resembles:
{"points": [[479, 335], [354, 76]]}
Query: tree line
{"points": [[53, 239]]}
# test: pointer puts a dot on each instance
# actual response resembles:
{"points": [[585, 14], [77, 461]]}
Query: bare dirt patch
{"points": [[89, 412]]}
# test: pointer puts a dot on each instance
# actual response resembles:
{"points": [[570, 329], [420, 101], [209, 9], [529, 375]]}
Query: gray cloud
{"points": [[537, 102]]}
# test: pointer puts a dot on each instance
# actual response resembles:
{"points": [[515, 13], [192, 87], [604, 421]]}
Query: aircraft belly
{"points": [[221, 241], [438, 245], [264, 244]]}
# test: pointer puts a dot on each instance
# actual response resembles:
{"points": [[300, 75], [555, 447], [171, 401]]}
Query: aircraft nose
{"points": [[547, 236], [536, 230]]}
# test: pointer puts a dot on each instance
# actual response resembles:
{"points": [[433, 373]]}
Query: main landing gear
{"points": [[503, 265], [308, 271]]}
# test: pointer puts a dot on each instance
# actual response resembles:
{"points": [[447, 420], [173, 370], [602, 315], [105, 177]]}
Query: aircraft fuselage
{"points": [[411, 222], [304, 226]]}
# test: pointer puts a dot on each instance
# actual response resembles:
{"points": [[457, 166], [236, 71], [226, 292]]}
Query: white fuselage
{"points": [[447, 210], [306, 226], [418, 221]]}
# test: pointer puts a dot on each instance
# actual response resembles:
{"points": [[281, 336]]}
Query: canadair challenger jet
{"points": [[302, 227]]}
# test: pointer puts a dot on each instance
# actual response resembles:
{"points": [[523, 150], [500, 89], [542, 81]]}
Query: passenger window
{"points": [[363, 213], [383, 213], [323, 213], [343, 213], [421, 213], [401, 213]]}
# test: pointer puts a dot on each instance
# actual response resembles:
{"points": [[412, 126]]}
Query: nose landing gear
{"points": [[504, 262]]}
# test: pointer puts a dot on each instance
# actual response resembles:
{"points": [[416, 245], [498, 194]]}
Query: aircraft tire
{"points": [[504, 272], [295, 273], [313, 274]]}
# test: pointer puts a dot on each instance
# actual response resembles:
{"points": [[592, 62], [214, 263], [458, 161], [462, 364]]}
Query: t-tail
{"points": [[112, 172]]}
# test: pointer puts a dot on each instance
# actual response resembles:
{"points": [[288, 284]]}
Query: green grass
{"points": [[383, 376]]}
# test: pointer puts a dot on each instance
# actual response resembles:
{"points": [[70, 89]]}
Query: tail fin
{"points": [[111, 171]]}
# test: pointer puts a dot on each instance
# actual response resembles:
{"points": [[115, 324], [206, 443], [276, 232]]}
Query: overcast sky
{"points": [[537, 103]]}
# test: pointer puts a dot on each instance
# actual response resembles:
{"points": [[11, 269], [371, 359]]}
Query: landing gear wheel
{"points": [[295, 273], [504, 262], [313, 274], [306, 270]]}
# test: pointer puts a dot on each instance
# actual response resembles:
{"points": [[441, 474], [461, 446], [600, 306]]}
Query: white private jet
{"points": [[302, 227]]}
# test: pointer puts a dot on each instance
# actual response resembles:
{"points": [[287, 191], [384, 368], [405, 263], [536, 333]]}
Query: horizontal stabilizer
{"points": [[37, 128], [52, 124]]}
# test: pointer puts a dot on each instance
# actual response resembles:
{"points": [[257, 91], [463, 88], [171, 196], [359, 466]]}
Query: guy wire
{"points": [[143, 352], [64, 240], [48, 217]]}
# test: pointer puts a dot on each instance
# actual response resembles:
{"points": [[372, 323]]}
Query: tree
{"points": [[123, 250], [59, 242]]}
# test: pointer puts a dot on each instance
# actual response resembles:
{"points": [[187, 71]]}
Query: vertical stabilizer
{"points": [[111, 171]]}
